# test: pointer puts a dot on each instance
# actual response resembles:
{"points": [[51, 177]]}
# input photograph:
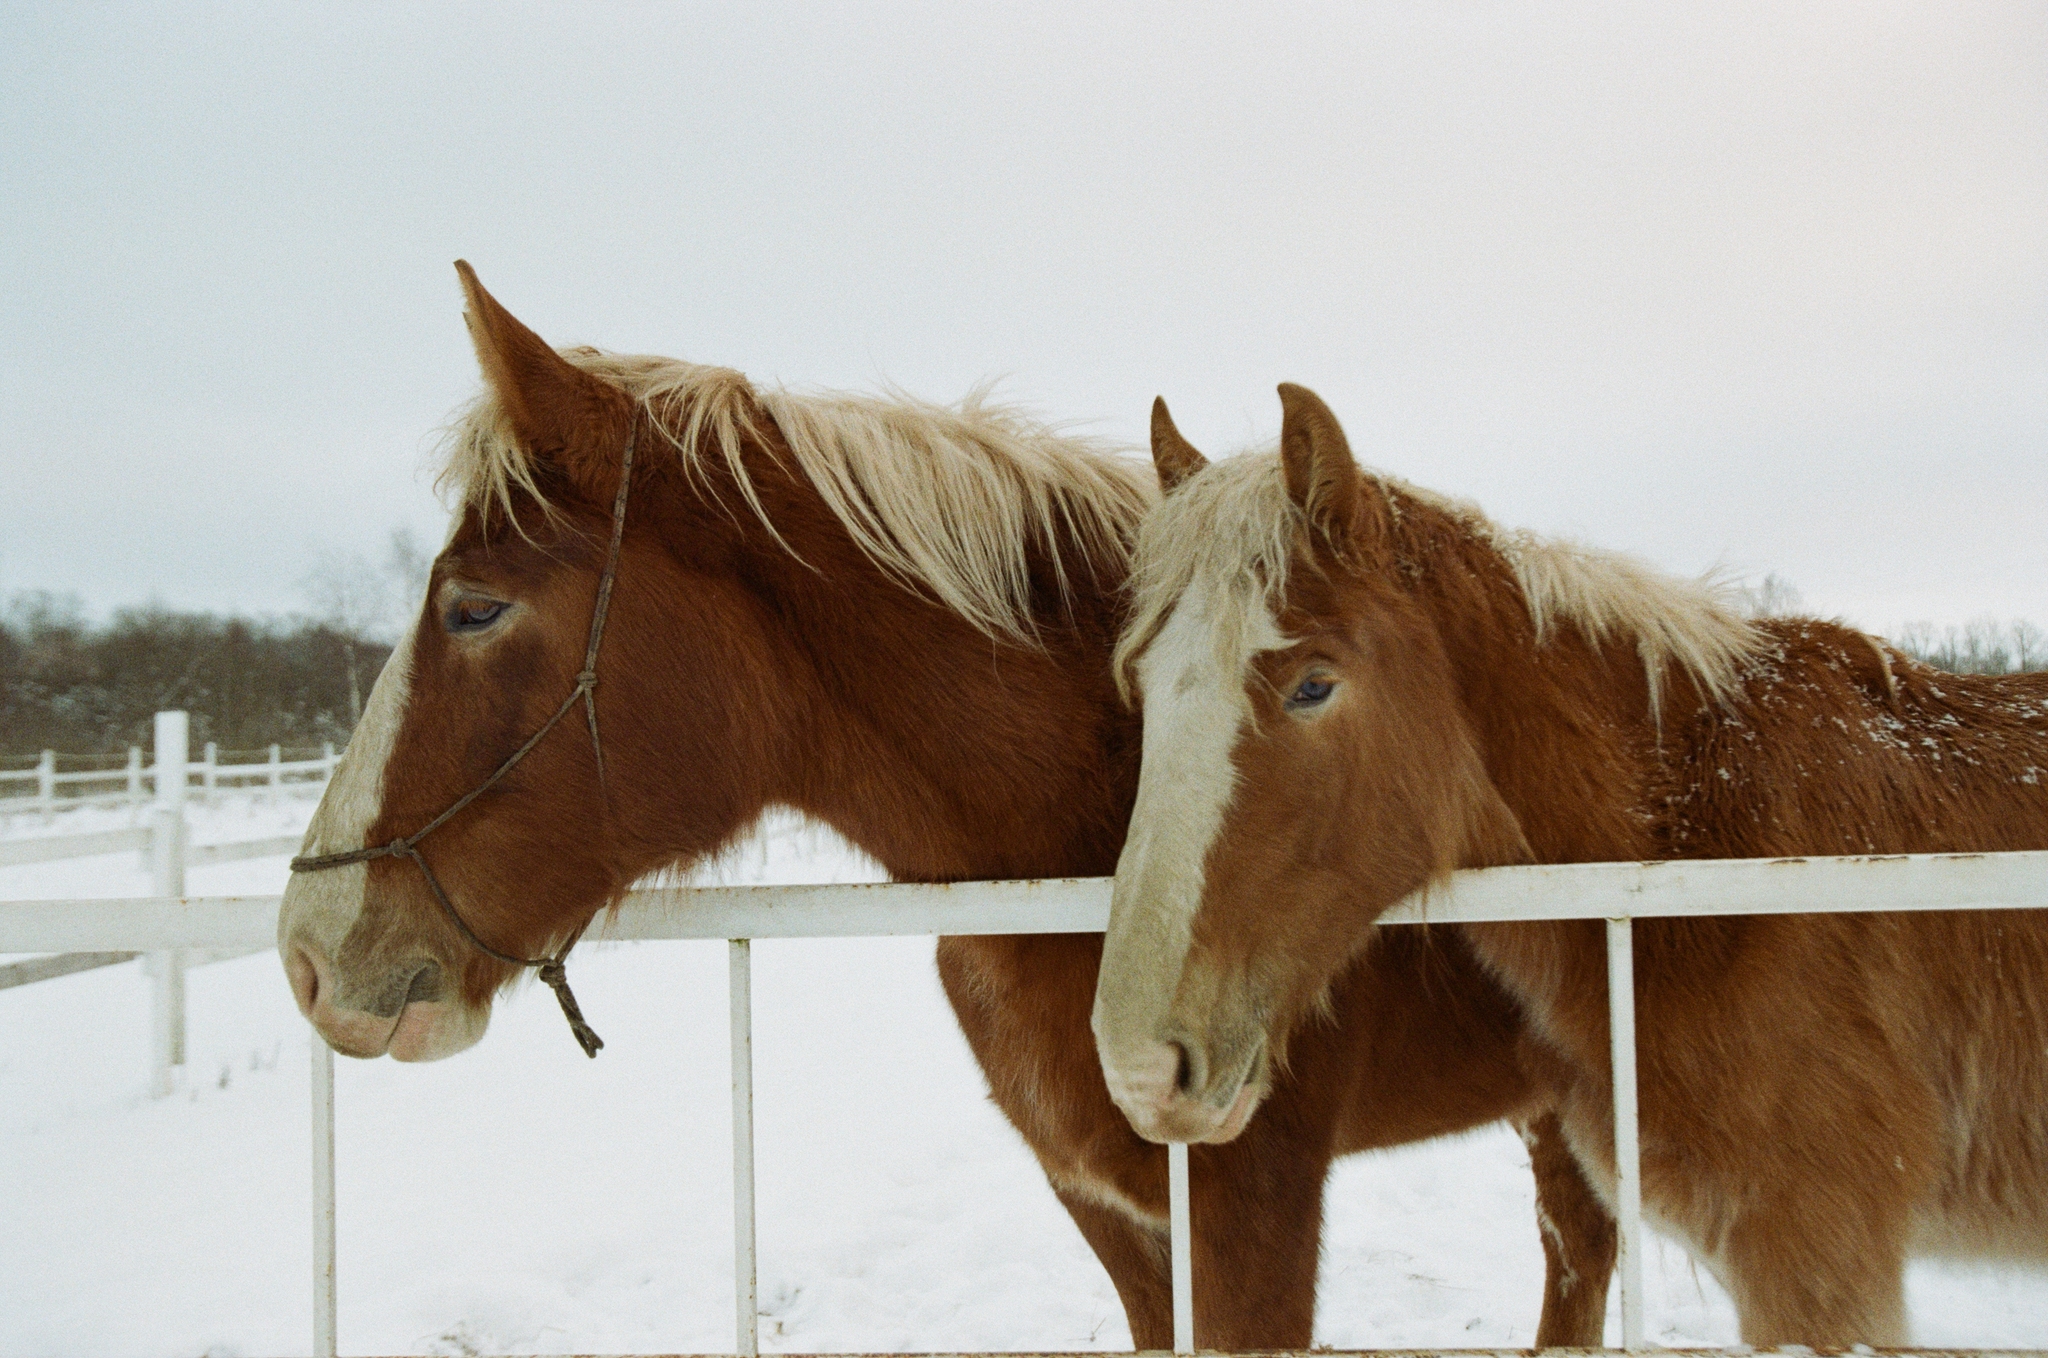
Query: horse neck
{"points": [[944, 753], [1564, 726]]}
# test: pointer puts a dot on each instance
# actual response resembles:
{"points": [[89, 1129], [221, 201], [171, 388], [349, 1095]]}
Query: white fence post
{"points": [[1628, 1169], [134, 781], [207, 766], [740, 988], [167, 872], [276, 777], [46, 785], [326, 762], [1181, 1245], [323, 1198]]}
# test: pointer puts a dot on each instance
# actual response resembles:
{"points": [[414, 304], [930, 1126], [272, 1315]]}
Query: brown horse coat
{"points": [[1407, 689], [896, 619]]}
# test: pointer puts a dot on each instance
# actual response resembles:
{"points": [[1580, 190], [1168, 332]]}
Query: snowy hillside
{"points": [[520, 1198]]}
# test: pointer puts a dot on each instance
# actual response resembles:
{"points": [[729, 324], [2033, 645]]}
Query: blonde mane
{"points": [[1230, 534], [948, 499]]}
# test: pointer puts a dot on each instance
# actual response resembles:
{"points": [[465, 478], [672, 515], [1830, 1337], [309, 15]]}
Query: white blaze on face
{"points": [[322, 906], [1195, 710]]}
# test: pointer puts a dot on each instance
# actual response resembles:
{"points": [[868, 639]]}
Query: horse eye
{"points": [[1311, 692], [469, 615]]}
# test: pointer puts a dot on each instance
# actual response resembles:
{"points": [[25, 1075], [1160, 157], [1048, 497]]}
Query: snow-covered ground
{"points": [[521, 1198]]}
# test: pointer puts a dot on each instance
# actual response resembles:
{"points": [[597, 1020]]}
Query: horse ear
{"points": [[561, 414], [1322, 478], [1173, 457]]}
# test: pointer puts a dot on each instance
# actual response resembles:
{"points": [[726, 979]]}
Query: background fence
{"points": [[165, 842], [1617, 893], [44, 790]]}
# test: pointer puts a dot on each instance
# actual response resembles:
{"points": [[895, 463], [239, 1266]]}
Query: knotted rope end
{"points": [[556, 978]]}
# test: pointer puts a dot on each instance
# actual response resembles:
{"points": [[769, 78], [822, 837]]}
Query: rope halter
{"points": [[550, 969]]}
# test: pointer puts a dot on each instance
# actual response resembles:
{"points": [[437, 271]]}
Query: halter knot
{"points": [[398, 848], [556, 978], [586, 678]]}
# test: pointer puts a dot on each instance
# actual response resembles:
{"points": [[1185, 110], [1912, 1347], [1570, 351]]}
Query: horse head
{"points": [[398, 956], [1308, 761]]}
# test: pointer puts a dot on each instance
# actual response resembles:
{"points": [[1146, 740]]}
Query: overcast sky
{"points": [[1763, 286]]}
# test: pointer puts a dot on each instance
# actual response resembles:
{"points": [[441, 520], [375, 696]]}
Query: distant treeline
{"points": [[1985, 646], [93, 689], [1980, 646], [85, 689]]}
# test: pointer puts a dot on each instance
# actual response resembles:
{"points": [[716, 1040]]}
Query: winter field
{"points": [[522, 1199]]}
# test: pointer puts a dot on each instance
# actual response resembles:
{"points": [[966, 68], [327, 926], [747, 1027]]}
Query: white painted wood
{"points": [[173, 751], [2001, 881], [150, 922], [1181, 1241], [908, 909], [50, 848], [1628, 1167], [1736, 886], [235, 850], [324, 1310], [166, 966], [745, 1285]]}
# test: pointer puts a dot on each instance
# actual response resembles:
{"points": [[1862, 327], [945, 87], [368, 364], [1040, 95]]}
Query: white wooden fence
{"points": [[1615, 892], [166, 842], [42, 791]]}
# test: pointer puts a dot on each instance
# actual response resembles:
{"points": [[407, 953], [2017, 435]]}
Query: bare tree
{"points": [[409, 566], [2029, 645], [353, 598], [1771, 597], [1983, 649]]}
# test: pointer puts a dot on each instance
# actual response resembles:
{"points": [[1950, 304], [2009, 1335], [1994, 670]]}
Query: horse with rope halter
{"points": [[551, 970]]}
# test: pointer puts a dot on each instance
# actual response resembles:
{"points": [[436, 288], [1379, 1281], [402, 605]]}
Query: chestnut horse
{"points": [[1352, 686], [897, 619]]}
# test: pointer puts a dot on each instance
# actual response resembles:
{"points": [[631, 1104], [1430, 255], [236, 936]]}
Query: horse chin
{"points": [[1195, 1120], [429, 1030]]}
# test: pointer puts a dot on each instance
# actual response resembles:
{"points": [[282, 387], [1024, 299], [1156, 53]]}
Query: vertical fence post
{"points": [[46, 785], [1181, 1243], [326, 761], [323, 1198], [740, 985], [1628, 1187], [167, 872], [134, 781], [207, 766], [276, 777]]}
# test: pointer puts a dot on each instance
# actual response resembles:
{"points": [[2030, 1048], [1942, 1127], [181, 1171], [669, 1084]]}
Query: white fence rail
{"points": [[43, 791], [1615, 892], [168, 851]]}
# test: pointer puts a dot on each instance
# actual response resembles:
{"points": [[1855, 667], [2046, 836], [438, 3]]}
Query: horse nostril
{"points": [[1183, 1069], [304, 976], [426, 984]]}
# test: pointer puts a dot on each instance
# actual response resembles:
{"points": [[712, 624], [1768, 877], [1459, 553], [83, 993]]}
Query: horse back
{"points": [[1840, 745]]}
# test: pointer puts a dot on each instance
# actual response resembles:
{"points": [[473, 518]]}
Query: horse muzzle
{"points": [[1169, 1093], [406, 1012]]}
